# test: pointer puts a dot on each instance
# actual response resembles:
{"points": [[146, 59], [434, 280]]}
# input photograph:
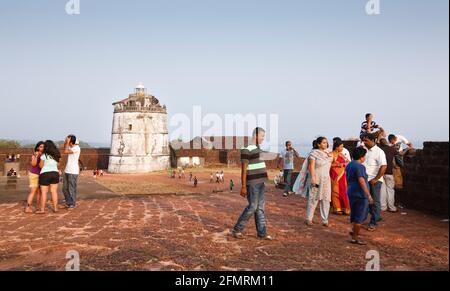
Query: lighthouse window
{"points": [[130, 127]]}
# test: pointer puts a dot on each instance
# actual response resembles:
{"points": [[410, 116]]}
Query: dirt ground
{"points": [[188, 229]]}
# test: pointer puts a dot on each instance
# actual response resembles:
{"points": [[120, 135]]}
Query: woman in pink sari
{"points": [[339, 196]]}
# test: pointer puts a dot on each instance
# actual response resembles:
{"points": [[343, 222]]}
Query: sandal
{"points": [[40, 211], [357, 242], [309, 223]]}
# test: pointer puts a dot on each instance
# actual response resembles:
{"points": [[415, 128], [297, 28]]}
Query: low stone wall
{"points": [[90, 158], [425, 179], [230, 158]]}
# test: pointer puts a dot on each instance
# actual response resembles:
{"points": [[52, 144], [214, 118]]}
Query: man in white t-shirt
{"points": [[72, 149], [397, 141], [376, 165]]}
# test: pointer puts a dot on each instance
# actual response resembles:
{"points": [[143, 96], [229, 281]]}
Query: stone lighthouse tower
{"points": [[139, 138]]}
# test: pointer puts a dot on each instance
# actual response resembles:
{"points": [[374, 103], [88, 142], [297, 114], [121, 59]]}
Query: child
{"points": [[195, 181], [370, 126], [231, 185]]}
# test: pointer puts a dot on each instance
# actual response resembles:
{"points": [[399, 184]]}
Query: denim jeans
{"points": [[375, 209], [287, 174], [256, 201], [70, 189]]}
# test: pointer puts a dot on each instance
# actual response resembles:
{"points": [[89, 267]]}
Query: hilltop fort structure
{"points": [[139, 137]]}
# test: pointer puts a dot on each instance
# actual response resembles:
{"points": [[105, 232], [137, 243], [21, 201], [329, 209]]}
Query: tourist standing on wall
{"points": [[319, 164], [387, 195], [376, 165], [369, 126], [49, 175], [72, 149], [358, 193], [33, 175], [254, 176], [287, 158]]}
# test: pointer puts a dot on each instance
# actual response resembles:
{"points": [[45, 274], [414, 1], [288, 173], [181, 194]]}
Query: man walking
{"points": [[287, 157], [254, 176], [72, 149]]}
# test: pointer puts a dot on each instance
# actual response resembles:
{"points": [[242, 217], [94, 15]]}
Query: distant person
{"points": [[398, 141], [387, 194], [190, 176], [195, 181], [11, 173], [49, 175], [376, 165], [211, 178], [231, 185], [33, 176], [72, 171], [369, 126], [287, 157], [183, 175], [101, 173], [358, 193], [345, 151], [94, 173], [222, 177], [320, 182], [339, 180], [217, 177], [254, 176]]}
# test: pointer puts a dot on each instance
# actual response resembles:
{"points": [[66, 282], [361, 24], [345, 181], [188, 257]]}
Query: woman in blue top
{"points": [[49, 176], [358, 192]]}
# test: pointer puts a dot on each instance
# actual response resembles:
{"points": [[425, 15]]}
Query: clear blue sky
{"points": [[319, 64]]}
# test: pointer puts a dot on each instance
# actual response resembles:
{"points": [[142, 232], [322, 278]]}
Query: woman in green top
{"points": [[49, 176]]}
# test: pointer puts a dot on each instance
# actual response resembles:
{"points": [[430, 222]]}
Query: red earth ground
{"points": [[116, 226]]}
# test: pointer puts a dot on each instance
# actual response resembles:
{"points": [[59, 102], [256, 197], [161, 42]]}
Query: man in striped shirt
{"points": [[253, 176]]}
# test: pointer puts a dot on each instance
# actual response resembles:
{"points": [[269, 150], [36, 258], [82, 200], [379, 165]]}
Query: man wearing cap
{"points": [[72, 149]]}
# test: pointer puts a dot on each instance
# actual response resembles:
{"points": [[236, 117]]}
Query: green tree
{"points": [[11, 144]]}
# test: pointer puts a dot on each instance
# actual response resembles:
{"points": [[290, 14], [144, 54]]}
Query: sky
{"points": [[318, 65]]}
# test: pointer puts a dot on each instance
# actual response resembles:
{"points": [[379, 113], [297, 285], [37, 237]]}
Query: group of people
{"points": [[44, 175], [97, 173], [220, 177], [355, 184]]}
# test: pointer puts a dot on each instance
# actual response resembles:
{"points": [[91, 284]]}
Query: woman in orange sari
{"points": [[339, 196]]}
